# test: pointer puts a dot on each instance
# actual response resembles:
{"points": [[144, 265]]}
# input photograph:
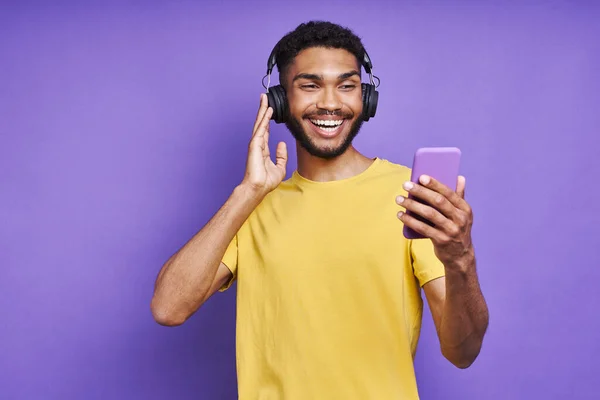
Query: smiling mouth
{"points": [[327, 126]]}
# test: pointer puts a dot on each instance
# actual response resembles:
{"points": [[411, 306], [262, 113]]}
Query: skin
{"points": [[325, 91], [317, 81], [313, 94], [457, 304]]}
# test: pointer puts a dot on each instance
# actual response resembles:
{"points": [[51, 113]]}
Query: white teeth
{"points": [[323, 122], [328, 129]]}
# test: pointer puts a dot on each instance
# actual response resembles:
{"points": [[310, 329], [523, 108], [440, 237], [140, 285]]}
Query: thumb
{"points": [[460, 186], [281, 156]]}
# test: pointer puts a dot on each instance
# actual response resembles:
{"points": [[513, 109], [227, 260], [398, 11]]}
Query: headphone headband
{"points": [[272, 60]]}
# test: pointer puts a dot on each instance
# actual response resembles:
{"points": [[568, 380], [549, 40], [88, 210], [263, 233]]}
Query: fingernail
{"points": [[408, 185], [400, 214], [399, 199], [425, 179]]}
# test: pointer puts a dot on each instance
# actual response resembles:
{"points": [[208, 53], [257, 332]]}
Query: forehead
{"points": [[322, 60]]}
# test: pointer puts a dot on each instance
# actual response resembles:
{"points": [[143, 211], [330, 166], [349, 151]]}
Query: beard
{"points": [[329, 152]]}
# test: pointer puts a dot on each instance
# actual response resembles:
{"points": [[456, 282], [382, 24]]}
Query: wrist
{"points": [[249, 193], [462, 264]]}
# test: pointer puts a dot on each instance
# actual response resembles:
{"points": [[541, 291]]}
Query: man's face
{"points": [[323, 89]]}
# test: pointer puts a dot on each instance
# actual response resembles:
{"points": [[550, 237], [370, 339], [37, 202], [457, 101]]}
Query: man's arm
{"points": [[195, 272], [459, 313], [456, 301]]}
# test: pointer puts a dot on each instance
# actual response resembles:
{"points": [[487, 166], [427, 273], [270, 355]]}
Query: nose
{"points": [[329, 100]]}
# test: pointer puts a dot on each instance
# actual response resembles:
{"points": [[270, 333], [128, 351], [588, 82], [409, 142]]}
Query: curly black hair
{"points": [[316, 34]]}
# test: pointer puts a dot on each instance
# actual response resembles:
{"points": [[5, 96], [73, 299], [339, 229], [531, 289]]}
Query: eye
{"points": [[309, 86], [347, 87]]}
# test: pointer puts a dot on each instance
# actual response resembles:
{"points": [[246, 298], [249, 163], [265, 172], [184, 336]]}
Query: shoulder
{"points": [[393, 168], [392, 173]]}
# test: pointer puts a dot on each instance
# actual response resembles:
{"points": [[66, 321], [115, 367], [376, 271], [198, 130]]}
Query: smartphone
{"points": [[440, 163]]}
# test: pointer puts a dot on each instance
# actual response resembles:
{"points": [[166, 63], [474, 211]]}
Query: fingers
{"points": [[445, 208], [260, 135], [439, 195], [440, 188], [262, 109], [263, 132], [434, 199], [427, 212], [281, 156], [267, 130], [424, 229], [259, 144], [460, 186], [263, 126]]}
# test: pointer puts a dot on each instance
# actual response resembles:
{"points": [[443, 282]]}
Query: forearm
{"points": [[465, 314], [185, 279]]}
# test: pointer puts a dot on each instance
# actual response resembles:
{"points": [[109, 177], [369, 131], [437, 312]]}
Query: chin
{"points": [[326, 138]]}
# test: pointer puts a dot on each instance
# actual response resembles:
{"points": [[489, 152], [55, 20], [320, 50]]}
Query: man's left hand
{"points": [[449, 212]]}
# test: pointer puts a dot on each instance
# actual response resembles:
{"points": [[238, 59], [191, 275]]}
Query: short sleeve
{"points": [[230, 260], [426, 265]]}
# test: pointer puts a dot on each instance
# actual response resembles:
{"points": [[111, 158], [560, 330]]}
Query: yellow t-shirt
{"points": [[329, 291]]}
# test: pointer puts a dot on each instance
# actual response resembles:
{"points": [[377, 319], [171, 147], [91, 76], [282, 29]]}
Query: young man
{"points": [[328, 293]]}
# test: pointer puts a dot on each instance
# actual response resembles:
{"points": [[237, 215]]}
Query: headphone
{"points": [[278, 100]]}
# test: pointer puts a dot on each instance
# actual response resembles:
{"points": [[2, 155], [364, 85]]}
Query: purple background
{"points": [[124, 127]]}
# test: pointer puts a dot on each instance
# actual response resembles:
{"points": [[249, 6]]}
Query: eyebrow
{"points": [[315, 77]]}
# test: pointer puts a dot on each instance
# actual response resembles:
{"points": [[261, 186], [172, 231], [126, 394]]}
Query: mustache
{"points": [[337, 113]]}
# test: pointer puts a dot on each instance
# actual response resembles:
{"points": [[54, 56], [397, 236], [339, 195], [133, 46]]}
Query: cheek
{"points": [[357, 106], [353, 101], [358, 98], [298, 104]]}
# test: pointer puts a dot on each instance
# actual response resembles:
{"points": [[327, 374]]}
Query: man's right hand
{"points": [[262, 174]]}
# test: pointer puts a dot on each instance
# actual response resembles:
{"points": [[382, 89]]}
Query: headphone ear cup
{"points": [[278, 101], [370, 97]]}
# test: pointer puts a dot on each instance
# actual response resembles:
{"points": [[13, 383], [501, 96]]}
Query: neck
{"points": [[347, 165]]}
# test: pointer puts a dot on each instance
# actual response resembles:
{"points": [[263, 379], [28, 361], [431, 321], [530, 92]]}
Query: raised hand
{"points": [[451, 215], [262, 174]]}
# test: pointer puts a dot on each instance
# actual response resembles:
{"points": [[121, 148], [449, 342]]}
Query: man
{"points": [[328, 293]]}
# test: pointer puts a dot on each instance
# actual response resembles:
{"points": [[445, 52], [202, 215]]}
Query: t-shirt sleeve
{"points": [[426, 265], [230, 259]]}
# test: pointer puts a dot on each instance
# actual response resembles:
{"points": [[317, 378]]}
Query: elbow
{"points": [[463, 355], [164, 315], [462, 359], [462, 363]]}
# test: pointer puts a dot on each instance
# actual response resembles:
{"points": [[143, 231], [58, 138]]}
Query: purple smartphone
{"points": [[442, 164]]}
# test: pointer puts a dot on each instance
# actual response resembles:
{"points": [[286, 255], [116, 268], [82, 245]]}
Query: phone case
{"points": [[442, 164]]}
